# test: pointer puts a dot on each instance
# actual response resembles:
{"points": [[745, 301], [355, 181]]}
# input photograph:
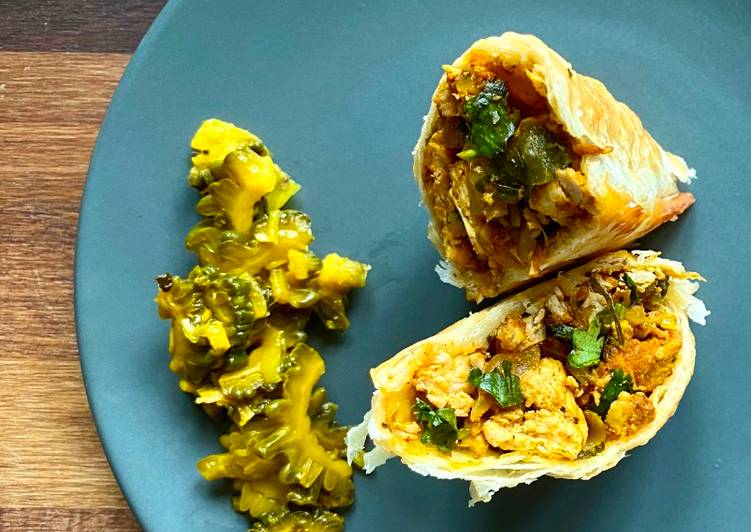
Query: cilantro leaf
{"points": [[615, 314], [632, 286], [503, 387], [587, 346], [438, 426], [619, 382]]}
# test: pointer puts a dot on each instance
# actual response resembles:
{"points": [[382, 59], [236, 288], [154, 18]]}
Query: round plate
{"points": [[338, 92]]}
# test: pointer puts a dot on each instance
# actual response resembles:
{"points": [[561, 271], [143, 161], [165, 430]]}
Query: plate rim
{"points": [[135, 61]]}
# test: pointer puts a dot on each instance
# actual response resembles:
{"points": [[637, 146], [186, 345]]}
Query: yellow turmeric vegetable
{"points": [[216, 139], [341, 273], [237, 334]]}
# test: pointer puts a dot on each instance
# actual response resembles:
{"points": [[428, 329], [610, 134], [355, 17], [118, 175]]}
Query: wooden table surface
{"points": [[59, 64]]}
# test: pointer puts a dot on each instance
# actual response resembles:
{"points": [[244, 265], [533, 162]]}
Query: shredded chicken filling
{"points": [[501, 175], [565, 408]]}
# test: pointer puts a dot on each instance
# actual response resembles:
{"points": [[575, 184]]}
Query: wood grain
{"points": [[44, 519], [53, 474], [75, 25]]}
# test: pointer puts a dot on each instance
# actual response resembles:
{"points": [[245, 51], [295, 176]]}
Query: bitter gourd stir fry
{"points": [[237, 337]]}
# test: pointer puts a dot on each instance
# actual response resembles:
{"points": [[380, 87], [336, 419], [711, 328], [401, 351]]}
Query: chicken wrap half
{"points": [[561, 379], [526, 165]]}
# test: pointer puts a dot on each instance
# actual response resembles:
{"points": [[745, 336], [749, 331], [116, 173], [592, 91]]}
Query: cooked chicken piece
{"points": [[474, 442], [517, 333], [548, 386], [592, 306], [541, 433], [557, 308], [555, 428], [447, 103], [535, 328], [643, 279], [574, 186], [483, 403], [444, 380], [550, 200], [512, 333], [406, 431], [628, 414]]}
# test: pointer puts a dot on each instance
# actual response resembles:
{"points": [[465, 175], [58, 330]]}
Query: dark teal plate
{"points": [[338, 91]]}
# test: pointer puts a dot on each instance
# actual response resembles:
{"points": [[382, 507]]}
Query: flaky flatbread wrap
{"points": [[526, 165], [561, 379]]}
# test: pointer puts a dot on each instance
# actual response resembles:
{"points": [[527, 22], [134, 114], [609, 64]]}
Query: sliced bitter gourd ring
{"points": [[238, 331], [301, 456]]}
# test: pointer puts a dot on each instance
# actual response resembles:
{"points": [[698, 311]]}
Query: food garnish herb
{"points": [[521, 154], [503, 387], [438, 426], [619, 382], [587, 346]]}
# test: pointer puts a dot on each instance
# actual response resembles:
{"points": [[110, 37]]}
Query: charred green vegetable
{"points": [[531, 158], [489, 121], [536, 153], [237, 337], [522, 154], [564, 332]]}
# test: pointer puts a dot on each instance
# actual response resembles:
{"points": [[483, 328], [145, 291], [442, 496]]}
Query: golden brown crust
{"points": [[490, 473], [632, 179]]}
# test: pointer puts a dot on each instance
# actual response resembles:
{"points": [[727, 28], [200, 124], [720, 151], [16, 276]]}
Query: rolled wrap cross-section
{"points": [[561, 379], [526, 166]]}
